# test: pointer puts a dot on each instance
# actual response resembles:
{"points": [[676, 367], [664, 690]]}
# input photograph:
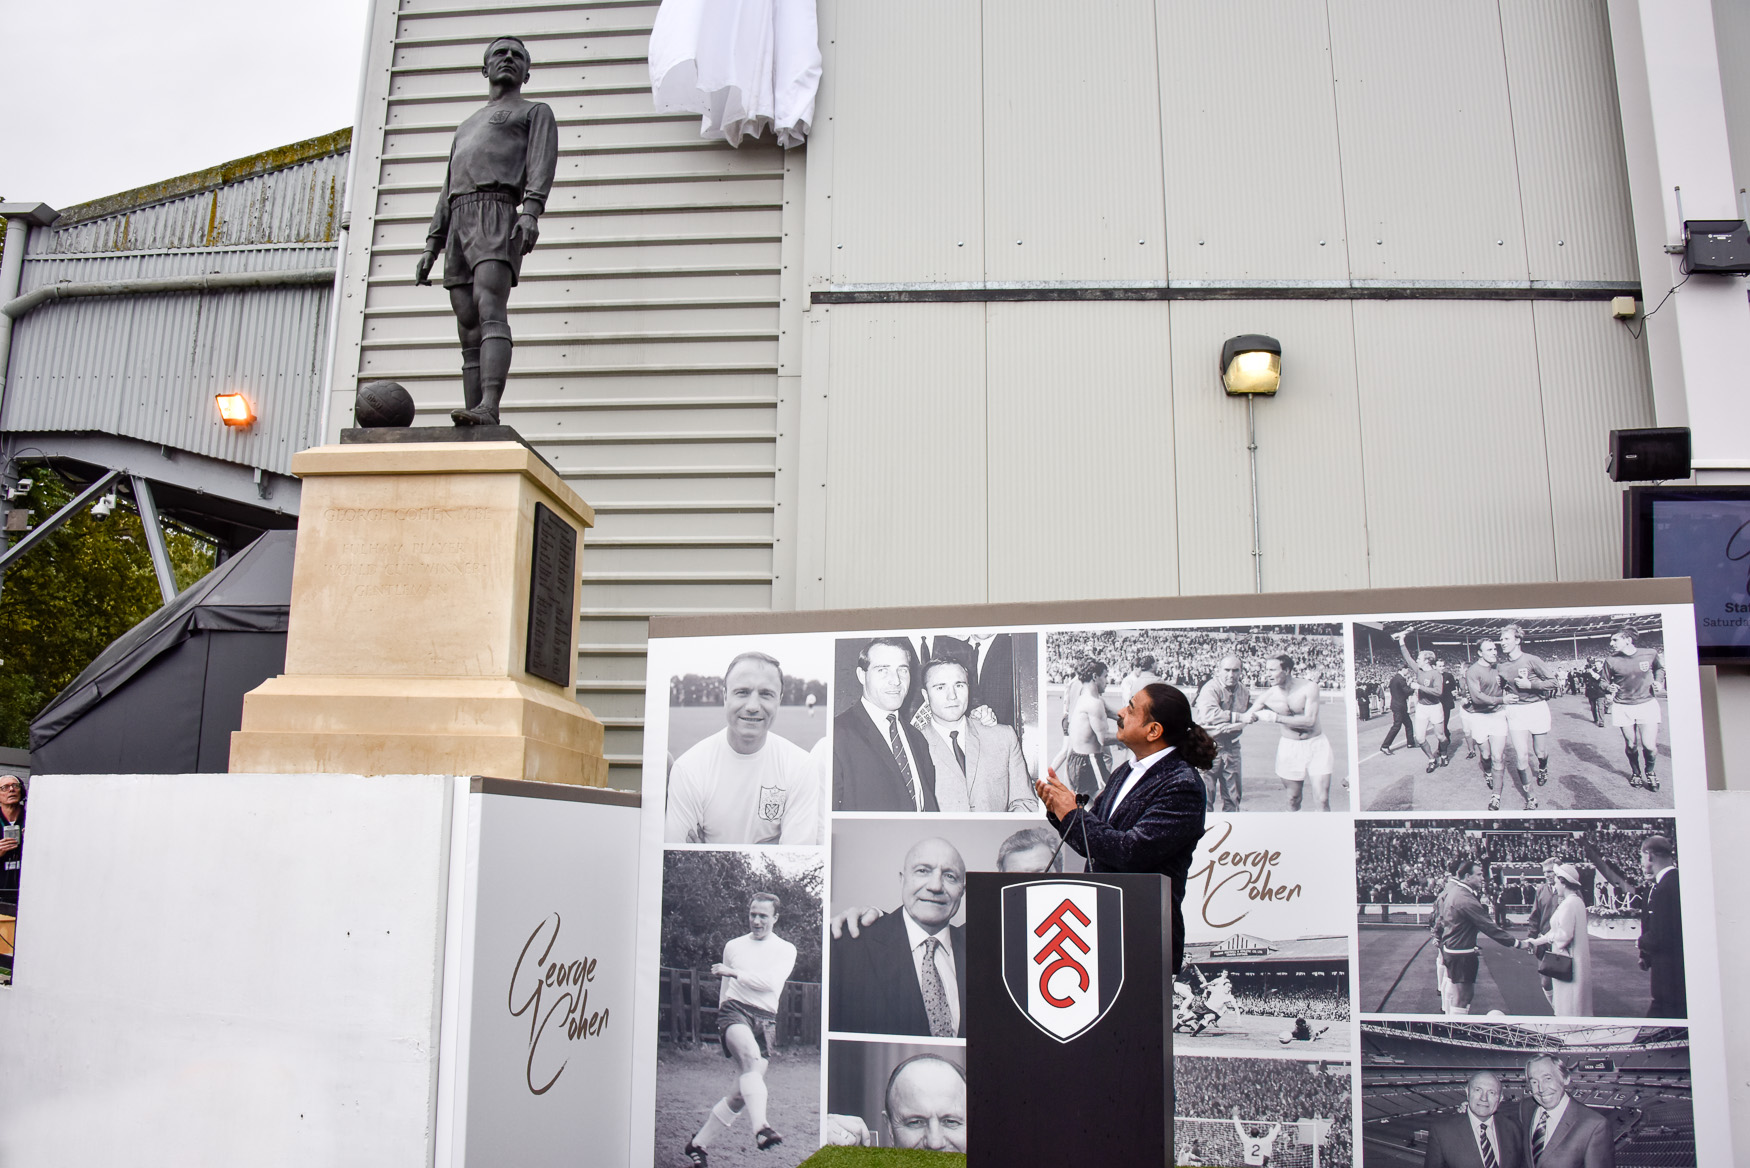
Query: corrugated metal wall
{"points": [[646, 322], [147, 366], [1166, 143]]}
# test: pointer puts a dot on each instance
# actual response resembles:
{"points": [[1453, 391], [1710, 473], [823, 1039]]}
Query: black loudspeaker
{"points": [[1640, 456], [1720, 247]]}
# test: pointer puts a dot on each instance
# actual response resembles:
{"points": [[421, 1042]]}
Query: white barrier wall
{"points": [[1729, 821], [256, 969]]}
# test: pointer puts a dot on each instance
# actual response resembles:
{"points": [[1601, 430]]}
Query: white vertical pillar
{"points": [[1674, 129]]}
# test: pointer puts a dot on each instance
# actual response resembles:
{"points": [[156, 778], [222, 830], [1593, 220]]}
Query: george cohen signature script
{"points": [[1738, 546], [550, 988], [1229, 876]]}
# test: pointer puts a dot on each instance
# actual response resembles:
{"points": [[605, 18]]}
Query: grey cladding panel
{"points": [[1595, 380], [1732, 43], [905, 443], [1253, 186], [1567, 132], [1072, 141], [1452, 427], [907, 143], [1427, 141], [1081, 452]]}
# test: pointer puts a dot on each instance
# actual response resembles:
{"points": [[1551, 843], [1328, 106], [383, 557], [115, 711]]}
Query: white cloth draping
{"points": [[746, 65]]}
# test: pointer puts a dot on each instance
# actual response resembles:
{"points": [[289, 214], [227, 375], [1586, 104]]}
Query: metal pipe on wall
{"points": [[1257, 531], [13, 308]]}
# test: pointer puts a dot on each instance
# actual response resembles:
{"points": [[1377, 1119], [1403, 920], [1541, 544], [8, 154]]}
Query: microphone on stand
{"points": [[1082, 802]]}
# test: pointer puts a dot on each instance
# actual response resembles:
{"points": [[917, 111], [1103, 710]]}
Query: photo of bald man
{"points": [[904, 974], [895, 1095]]}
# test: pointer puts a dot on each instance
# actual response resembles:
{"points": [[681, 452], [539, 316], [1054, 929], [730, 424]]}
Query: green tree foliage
{"points": [[704, 904], [74, 593]]}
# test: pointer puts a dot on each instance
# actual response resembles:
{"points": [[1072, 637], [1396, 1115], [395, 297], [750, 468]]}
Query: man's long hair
{"points": [[1168, 707]]}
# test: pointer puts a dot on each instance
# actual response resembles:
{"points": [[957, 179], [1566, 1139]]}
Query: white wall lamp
{"points": [[1251, 365]]}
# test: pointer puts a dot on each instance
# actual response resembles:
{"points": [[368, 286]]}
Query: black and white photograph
{"points": [[748, 742], [1267, 927], [1513, 714], [1282, 1112], [1451, 1094], [895, 1095], [944, 721], [739, 1026], [1566, 918], [1271, 696], [900, 883]]}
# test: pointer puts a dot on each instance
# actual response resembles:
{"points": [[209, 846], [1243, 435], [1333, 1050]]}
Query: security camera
{"points": [[102, 508], [26, 484]]}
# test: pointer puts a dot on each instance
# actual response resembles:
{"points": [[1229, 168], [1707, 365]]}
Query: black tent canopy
{"points": [[164, 697]]}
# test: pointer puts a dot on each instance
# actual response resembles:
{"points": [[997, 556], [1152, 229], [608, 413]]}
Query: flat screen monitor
{"points": [[1702, 533]]}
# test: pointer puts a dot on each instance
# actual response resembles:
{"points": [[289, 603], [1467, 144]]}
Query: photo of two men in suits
{"points": [[1546, 1095], [1544, 1129], [936, 723]]}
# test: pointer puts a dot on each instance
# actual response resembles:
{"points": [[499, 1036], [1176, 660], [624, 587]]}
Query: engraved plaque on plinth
{"points": [[552, 600], [416, 593]]}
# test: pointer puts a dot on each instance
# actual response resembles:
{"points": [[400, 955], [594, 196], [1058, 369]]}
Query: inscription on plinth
{"points": [[552, 603], [389, 583]]}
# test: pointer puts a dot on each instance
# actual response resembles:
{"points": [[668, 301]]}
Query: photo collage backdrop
{"points": [[813, 801]]}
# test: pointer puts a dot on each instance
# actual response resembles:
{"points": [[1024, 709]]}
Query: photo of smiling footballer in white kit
{"points": [[746, 748]]}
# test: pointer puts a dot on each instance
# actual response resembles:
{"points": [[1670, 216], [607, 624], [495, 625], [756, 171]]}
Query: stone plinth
{"points": [[409, 623]]}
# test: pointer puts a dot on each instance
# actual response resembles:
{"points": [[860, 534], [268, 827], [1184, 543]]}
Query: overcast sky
{"points": [[101, 96]]}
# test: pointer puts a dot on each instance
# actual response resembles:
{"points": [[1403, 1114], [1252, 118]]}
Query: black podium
{"points": [[1069, 1045]]}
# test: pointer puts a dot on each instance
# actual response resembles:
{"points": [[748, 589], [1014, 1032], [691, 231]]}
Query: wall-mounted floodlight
{"points": [[1251, 364], [234, 409]]}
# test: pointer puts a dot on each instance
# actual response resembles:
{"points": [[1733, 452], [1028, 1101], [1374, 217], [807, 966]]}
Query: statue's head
{"points": [[506, 59]]}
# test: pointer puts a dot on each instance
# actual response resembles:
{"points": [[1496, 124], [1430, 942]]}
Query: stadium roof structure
{"points": [[1537, 628], [1245, 949], [1559, 1037]]}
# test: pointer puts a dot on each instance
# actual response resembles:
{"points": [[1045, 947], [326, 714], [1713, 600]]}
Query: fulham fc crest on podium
{"points": [[1063, 953]]}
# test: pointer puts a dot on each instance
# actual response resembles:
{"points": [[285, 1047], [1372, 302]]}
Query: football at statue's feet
{"points": [[381, 404]]}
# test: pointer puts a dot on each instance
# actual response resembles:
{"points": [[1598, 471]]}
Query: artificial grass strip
{"points": [[883, 1158]]}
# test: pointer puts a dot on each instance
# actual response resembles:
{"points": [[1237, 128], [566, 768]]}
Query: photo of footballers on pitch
{"points": [[1268, 1113], [1270, 695], [1513, 714]]}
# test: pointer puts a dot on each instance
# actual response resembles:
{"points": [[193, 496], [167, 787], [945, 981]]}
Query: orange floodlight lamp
{"points": [[234, 409]]}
